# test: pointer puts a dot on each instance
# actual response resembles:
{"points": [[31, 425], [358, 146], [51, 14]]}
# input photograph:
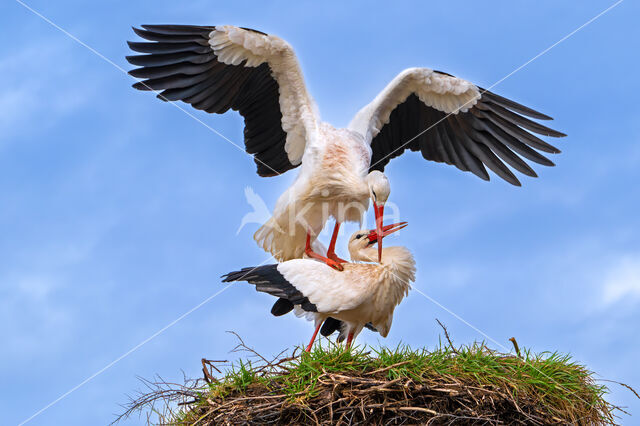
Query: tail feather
{"points": [[283, 243]]}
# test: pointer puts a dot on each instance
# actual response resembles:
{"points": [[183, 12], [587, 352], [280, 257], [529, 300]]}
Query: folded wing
{"points": [[313, 285]]}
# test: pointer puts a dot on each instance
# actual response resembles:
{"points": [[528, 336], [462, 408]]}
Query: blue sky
{"points": [[118, 213]]}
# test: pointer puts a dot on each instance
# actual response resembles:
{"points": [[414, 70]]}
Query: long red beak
{"points": [[379, 213], [378, 235]]}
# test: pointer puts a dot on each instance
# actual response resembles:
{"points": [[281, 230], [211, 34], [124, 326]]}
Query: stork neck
{"points": [[390, 255], [367, 254]]}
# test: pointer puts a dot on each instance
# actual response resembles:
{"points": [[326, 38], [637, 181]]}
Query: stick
{"points": [[446, 334]]}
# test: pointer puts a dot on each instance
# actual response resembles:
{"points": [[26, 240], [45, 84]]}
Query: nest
{"points": [[467, 385]]}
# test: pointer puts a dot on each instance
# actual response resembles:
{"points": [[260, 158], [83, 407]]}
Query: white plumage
{"points": [[440, 91], [363, 293], [333, 182], [234, 45]]}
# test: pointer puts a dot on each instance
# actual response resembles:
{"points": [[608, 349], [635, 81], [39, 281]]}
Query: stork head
{"points": [[360, 241], [379, 190]]}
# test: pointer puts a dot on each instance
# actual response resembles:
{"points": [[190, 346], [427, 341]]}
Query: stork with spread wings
{"points": [[447, 119]]}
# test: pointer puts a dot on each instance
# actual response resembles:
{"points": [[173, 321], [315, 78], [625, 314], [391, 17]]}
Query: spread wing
{"points": [[452, 121], [220, 68]]}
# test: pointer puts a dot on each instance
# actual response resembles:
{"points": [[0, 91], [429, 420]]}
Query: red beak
{"points": [[378, 235], [379, 213]]}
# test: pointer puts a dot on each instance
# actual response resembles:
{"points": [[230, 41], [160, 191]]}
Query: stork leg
{"points": [[349, 340], [331, 251], [313, 338], [309, 252]]}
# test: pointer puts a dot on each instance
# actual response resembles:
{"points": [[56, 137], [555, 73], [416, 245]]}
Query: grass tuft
{"points": [[467, 385]]}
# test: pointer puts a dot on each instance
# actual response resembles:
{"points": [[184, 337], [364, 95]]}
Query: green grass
{"points": [[548, 385]]}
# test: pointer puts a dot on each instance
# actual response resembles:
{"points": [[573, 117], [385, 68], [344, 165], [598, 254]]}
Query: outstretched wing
{"points": [[450, 120], [224, 67]]}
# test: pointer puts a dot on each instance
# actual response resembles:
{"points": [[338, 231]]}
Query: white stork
{"points": [[447, 119], [364, 293]]}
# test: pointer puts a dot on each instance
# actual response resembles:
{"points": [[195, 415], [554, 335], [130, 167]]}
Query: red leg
{"points": [[313, 338], [331, 251], [314, 255], [349, 340]]}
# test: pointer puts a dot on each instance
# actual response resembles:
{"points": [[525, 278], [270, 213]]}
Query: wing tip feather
{"points": [[141, 85]]}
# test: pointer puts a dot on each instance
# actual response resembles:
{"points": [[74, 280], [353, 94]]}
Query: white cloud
{"points": [[30, 319], [623, 280], [39, 309], [15, 104]]}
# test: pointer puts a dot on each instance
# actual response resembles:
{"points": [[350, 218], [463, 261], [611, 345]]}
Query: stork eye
{"points": [[375, 197], [359, 236]]}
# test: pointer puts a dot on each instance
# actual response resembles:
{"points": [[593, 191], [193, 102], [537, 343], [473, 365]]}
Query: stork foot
{"points": [[312, 254], [333, 263], [335, 257]]}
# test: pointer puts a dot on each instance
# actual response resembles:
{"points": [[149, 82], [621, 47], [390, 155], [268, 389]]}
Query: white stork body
{"points": [[332, 183], [362, 293], [447, 119]]}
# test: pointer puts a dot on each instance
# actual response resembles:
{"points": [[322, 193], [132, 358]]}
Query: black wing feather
{"points": [[331, 325], [160, 60], [180, 68], [203, 31], [170, 38], [178, 61], [493, 132], [518, 132], [491, 97], [281, 307], [268, 279], [161, 47]]}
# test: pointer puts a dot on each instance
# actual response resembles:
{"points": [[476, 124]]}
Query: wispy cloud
{"points": [[38, 306], [623, 281], [31, 317], [40, 87]]}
